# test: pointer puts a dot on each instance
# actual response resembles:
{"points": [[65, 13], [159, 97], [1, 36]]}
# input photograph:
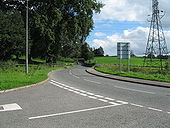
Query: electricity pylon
{"points": [[156, 49]]}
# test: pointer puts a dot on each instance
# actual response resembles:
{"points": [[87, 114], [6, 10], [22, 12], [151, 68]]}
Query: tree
{"points": [[132, 54], [57, 24], [12, 34], [86, 52], [99, 52]]}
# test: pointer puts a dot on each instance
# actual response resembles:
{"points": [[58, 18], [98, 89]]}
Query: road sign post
{"points": [[123, 52]]}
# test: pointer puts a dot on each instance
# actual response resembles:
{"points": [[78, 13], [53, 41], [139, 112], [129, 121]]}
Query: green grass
{"points": [[114, 60], [107, 65], [12, 74], [156, 77], [134, 61]]}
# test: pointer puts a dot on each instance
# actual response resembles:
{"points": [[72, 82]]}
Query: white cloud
{"points": [[99, 34], [137, 37], [132, 10]]}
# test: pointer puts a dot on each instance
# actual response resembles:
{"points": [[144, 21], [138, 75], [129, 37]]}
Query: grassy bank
{"points": [[12, 74], [110, 65]]}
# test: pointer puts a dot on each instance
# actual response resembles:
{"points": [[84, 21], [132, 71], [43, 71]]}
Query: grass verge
{"points": [[141, 75], [13, 77]]}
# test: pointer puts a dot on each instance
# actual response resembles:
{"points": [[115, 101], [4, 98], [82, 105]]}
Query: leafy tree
{"points": [[86, 52], [56, 25], [132, 54], [99, 52], [12, 34]]}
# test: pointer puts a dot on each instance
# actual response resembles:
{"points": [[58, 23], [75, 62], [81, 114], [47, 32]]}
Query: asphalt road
{"points": [[76, 99]]}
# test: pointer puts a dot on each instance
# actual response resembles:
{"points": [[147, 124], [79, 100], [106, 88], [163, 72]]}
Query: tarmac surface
{"points": [[73, 98]]}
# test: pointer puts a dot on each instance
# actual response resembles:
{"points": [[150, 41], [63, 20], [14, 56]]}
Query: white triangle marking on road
{"points": [[10, 107]]}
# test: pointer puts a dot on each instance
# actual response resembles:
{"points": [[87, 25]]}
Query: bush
{"points": [[8, 65]]}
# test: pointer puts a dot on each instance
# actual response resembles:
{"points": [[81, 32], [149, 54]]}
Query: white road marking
{"points": [[107, 98], [155, 109], [70, 72], [89, 93], [92, 81], [70, 90], [99, 96], [92, 97], [122, 102], [73, 74], [10, 107], [130, 89], [71, 112], [114, 103], [76, 92], [59, 83], [137, 105], [76, 76], [65, 88], [82, 91], [103, 100], [83, 94]]}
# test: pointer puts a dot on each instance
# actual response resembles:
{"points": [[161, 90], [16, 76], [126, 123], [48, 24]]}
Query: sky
{"points": [[126, 21]]}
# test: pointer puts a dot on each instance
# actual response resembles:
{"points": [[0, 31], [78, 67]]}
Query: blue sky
{"points": [[125, 20]]}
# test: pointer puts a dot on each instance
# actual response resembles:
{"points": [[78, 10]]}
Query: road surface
{"points": [[76, 99]]}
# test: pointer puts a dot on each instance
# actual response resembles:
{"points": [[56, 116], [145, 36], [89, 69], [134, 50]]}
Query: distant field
{"points": [[114, 60]]}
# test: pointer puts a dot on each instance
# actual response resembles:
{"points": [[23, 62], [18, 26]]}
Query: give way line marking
{"points": [[71, 112]]}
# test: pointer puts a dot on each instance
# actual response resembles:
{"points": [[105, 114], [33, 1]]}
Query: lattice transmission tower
{"points": [[156, 49]]}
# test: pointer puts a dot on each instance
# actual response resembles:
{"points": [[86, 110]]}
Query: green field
{"points": [[111, 65], [114, 60], [12, 74]]}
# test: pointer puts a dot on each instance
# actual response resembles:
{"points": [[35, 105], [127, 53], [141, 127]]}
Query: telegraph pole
{"points": [[27, 51], [156, 47]]}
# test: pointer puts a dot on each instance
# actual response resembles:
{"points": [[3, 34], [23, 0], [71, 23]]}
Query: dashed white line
{"points": [[130, 89], [76, 76], [122, 102], [65, 88], [137, 105], [92, 81], [73, 74], [103, 100], [82, 94], [76, 92], [59, 83], [155, 109], [92, 97], [70, 72], [70, 90], [99, 96], [90, 93], [114, 103], [107, 98], [71, 112]]}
